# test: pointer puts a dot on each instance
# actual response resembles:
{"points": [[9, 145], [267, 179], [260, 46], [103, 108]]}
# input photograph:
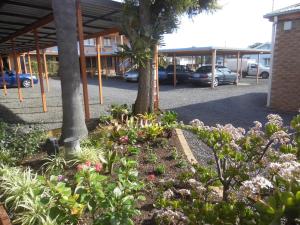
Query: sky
{"points": [[239, 23]]}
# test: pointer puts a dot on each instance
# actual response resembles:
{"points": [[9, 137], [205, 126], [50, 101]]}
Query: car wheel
{"points": [[265, 75], [216, 82], [26, 83]]}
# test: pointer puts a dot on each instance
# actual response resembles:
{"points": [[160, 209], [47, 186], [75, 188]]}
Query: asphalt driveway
{"points": [[239, 105]]}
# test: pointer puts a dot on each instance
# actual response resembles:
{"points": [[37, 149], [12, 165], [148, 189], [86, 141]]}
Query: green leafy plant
{"points": [[110, 159], [56, 165], [169, 118], [120, 111], [152, 158], [160, 169], [174, 153], [91, 154], [133, 150]]}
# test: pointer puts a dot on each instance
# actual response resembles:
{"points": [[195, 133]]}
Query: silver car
{"points": [[131, 75], [223, 75]]}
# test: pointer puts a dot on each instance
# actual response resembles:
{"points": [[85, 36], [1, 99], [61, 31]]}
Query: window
{"points": [[89, 42], [204, 69], [287, 25], [107, 42]]}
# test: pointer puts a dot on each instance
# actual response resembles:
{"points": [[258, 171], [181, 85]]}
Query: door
{"points": [[230, 77], [8, 79], [252, 69]]}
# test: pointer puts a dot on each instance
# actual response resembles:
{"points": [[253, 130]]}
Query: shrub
{"points": [[15, 145]]}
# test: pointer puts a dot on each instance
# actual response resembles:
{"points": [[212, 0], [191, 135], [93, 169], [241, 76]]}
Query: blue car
{"points": [[11, 79]]}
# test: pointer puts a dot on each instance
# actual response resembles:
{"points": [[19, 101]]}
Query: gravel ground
{"points": [[238, 105]]}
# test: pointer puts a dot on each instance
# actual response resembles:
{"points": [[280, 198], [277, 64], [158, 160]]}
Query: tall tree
{"points": [[144, 22], [69, 70]]}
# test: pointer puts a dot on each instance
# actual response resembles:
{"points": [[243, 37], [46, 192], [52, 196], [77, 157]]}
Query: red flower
{"points": [[88, 163], [124, 139], [80, 167], [98, 167], [151, 177]]}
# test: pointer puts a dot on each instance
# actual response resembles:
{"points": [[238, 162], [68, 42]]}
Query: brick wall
{"points": [[285, 91]]}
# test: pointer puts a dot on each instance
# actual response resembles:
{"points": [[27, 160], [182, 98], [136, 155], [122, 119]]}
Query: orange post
{"points": [[98, 49], [9, 63], [174, 71], [30, 69], [82, 61], [16, 66], [24, 62], [3, 76], [40, 70], [46, 69]]}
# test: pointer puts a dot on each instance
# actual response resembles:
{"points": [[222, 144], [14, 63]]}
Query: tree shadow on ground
{"points": [[238, 110], [9, 117]]}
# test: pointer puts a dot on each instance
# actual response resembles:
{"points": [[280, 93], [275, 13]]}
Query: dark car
{"points": [[223, 75], [182, 74], [11, 79]]}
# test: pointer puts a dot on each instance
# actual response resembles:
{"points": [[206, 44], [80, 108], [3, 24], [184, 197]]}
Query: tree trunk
{"points": [[69, 70], [142, 102]]}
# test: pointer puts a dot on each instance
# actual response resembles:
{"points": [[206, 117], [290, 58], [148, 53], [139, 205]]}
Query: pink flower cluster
{"points": [[275, 119], [88, 165], [236, 133]]}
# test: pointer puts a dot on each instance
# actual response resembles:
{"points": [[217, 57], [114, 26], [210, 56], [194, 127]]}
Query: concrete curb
{"points": [[183, 145]]}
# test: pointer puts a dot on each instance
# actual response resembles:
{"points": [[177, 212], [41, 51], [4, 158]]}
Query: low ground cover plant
{"points": [[16, 144]]}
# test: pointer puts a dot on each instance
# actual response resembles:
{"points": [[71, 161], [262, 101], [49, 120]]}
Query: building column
{"points": [[30, 69], [46, 69], [237, 67], [257, 73], [16, 67], [98, 49], [3, 76]]}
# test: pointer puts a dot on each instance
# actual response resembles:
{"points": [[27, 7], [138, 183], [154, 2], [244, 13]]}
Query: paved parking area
{"points": [[238, 105]]}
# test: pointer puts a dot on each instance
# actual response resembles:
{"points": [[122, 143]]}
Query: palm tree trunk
{"points": [[69, 71], [142, 103]]}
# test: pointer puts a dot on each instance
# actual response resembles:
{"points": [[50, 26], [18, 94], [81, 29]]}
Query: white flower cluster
{"points": [[184, 192], [252, 188], [256, 129], [275, 119], [168, 194], [173, 217], [280, 137], [236, 133], [287, 170], [196, 123]]}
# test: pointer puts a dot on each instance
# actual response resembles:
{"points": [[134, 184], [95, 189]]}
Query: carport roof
{"points": [[20, 17], [198, 51]]}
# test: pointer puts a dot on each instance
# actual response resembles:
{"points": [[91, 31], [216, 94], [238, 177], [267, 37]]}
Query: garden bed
{"points": [[131, 170]]}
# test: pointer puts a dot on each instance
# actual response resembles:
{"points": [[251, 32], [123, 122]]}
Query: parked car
{"points": [[223, 75], [11, 79], [133, 75], [182, 73], [249, 67]]}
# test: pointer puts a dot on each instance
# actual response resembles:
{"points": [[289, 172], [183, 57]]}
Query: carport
{"points": [[27, 25], [213, 52]]}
